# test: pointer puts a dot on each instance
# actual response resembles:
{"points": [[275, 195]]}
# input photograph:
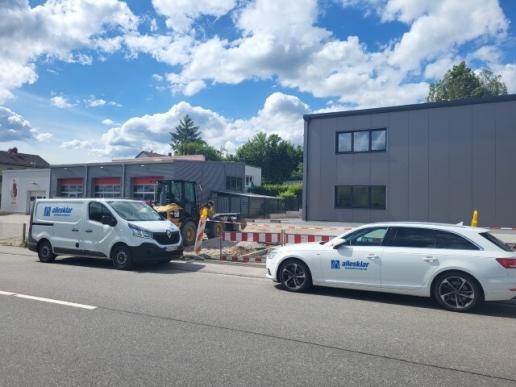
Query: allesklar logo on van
{"points": [[58, 211]]}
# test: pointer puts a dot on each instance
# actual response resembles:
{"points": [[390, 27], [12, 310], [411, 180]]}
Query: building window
{"points": [[378, 140], [107, 187], [71, 188], [344, 142], [107, 190], [360, 141], [234, 183], [360, 196], [144, 191], [144, 188]]}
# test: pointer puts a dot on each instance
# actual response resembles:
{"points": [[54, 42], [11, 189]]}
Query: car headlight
{"points": [[140, 232], [272, 254]]}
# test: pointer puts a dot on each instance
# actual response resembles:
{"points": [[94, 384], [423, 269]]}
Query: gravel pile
{"points": [[211, 249]]}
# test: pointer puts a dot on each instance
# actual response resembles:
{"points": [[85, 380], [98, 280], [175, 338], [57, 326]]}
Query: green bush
{"points": [[292, 194]]}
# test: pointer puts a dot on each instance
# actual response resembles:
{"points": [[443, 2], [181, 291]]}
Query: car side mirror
{"points": [[109, 220], [340, 243]]}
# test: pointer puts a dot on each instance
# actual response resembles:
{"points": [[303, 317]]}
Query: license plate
{"points": [[171, 248]]}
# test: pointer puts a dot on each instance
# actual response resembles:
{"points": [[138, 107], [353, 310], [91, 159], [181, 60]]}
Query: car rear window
{"points": [[418, 237], [494, 240]]}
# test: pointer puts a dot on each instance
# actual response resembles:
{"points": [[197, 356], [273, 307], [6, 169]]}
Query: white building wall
{"points": [[253, 174], [28, 182]]}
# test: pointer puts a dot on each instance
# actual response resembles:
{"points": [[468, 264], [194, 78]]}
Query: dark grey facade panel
{"points": [[505, 152], [418, 173], [57, 173], [441, 163], [483, 163]]}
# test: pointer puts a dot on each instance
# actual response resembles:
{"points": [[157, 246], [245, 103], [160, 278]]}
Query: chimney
{"points": [[12, 151]]}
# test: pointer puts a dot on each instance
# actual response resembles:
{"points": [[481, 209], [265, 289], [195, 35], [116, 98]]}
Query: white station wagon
{"points": [[458, 266]]}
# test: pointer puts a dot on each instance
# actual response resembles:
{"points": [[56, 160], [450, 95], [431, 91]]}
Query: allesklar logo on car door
{"points": [[358, 260]]}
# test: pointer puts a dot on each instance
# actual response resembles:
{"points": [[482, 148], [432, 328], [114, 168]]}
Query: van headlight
{"points": [[140, 232]]}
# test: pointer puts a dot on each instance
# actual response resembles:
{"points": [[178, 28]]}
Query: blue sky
{"points": [[95, 80]]}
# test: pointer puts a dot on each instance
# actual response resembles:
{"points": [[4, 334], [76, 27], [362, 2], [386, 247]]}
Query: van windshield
{"points": [[135, 211]]}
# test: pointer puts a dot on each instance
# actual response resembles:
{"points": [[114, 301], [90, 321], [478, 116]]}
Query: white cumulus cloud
{"points": [[180, 14], [56, 29], [13, 127], [61, 102], [280, 114], [282, 40]]}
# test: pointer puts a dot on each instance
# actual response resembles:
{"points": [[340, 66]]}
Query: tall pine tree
{"points": [[185, 132]]}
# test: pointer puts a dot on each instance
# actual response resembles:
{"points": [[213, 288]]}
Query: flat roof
{"points": [[416, 106], [140, 161]]}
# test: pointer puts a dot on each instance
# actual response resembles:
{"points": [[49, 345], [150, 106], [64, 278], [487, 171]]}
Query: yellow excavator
{"points": [[176, 200]]}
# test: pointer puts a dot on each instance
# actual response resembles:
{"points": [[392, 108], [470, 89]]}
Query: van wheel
{"points": [[45, 253], [121, 257]]}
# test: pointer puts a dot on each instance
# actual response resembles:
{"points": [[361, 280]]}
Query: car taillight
{"points": [[508, 263]]}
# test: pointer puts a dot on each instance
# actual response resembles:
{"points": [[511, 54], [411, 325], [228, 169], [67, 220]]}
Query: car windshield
{"points": [[135, 211]]}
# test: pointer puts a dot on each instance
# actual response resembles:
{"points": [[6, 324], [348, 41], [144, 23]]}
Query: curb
{"points": [[242, 258]]}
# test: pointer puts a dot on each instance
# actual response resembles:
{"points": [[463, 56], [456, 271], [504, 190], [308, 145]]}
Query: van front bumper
{"points": [[148, 252]]}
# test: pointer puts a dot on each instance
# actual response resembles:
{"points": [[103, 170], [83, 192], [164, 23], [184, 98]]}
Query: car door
{"points": [[358, 260], [96, 235], [410, 257]]}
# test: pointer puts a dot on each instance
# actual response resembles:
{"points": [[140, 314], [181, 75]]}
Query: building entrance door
{"points": [[32, 196]]}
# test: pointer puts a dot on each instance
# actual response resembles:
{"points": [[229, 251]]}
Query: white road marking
{"points": [[49, 300]]}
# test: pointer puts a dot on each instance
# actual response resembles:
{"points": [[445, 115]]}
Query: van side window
{"points": [[97, 211]]}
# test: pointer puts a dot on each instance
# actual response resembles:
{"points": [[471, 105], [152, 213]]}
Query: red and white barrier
{"points": [[242, 258], [274, 238], [300, 238]]}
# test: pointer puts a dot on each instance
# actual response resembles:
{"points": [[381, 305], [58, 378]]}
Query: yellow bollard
{"points": [[474, 219]]}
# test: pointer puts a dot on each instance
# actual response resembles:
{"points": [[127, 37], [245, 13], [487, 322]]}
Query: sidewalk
{"points": [[202, 266]]}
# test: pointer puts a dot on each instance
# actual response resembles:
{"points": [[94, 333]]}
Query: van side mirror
{"points": [[340, 243], [109, 220]]}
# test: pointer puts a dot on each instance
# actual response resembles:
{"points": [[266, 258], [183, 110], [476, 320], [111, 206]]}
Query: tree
{"points": [[462, 82], [185, 132], [277, 158], [199, 148]]}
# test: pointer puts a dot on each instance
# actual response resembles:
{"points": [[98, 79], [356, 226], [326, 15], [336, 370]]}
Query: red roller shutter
{"points": [[107, 180], [71, 181]]}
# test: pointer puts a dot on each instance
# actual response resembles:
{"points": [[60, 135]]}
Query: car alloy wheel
{"points": [[294, 276], [457, 292]]}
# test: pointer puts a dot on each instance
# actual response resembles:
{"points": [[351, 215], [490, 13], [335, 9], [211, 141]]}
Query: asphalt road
{"points": [[223, 324]]}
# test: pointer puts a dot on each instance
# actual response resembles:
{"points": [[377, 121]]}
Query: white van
{"points": [[125, 231]]}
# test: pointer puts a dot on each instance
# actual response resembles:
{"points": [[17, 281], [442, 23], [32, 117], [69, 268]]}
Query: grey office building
{"points": [[425, 162]]}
